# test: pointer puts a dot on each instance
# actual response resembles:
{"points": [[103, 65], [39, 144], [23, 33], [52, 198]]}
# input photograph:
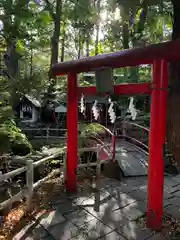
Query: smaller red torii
{"points": [[159, 56]]}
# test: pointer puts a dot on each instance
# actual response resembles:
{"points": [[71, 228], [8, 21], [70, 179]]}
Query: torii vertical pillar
{"points": [[157, 139], [72, 133]]}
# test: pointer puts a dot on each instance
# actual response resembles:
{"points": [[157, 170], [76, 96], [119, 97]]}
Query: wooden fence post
{"points": [[124, 129], [64, 163], [98, 166], [29, 182], [47, 133], [98, 173]]}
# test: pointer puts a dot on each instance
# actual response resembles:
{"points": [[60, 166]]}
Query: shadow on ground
{"points": [[112, 212]]}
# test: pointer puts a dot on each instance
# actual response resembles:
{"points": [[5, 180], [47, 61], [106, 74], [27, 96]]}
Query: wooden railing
{"points": [[27, 190], [45, 133], [106, 138]]}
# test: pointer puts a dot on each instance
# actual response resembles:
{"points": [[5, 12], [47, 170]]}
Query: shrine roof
{"points": [[33, 100]]}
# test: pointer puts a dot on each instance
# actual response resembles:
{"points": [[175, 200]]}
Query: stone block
{"points": [[36, 233], [174, 201], [136, 182], [114, 219], [112, 236], [66, 207], [138, 195], [108, 183], [157, 237], [176, 179], [141, 206], [79, 217], [103, 208], [173, 210], [63, 231], [95, 229], [50, 218], [176, 194], [132, 212], [124, 199], [132, 231]]}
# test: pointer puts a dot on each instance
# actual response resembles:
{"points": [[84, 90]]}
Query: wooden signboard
{"points": [[104, 80]]}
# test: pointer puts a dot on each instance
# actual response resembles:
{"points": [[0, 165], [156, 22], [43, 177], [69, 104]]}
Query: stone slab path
{"points": [[108, 214]]}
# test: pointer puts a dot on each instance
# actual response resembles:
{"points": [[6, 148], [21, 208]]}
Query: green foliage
{"points": [[11, 137], [90, 130], [86, 28]]}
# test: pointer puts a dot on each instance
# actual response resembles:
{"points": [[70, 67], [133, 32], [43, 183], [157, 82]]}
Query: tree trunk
{"points": [[137, 35], [56, 33], [87, 44], [79, 46], [173, 126], [63, 42], [14, 57], [97, 40], [55, 46], [98, 7], [31, 62], [11, 57], [125, 32]]}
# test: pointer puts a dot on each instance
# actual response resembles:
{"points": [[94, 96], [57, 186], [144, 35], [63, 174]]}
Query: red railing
{"points": [[109, 139], [135, 133]]}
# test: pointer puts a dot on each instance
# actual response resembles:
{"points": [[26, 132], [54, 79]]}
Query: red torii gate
{"points": [[158, 55]]}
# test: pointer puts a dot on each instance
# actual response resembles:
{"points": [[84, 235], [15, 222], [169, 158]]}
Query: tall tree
{"points": [[97, 26], [174, 93], [55, 12]]}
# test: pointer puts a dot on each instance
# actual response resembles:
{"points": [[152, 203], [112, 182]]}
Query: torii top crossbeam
{"points": [[130, 57]]}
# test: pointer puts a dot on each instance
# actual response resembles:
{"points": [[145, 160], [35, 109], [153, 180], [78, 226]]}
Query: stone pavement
{"points": [[108, 214]]}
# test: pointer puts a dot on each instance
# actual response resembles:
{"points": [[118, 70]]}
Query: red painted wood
{"points": [[128, 57], [156, 142], [104, 154], [72, 133], [121, 89]]}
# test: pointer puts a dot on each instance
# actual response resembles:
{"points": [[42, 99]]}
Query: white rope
{"points": [[111, 112], [82, 105], [132, 110], [95, 110]]}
